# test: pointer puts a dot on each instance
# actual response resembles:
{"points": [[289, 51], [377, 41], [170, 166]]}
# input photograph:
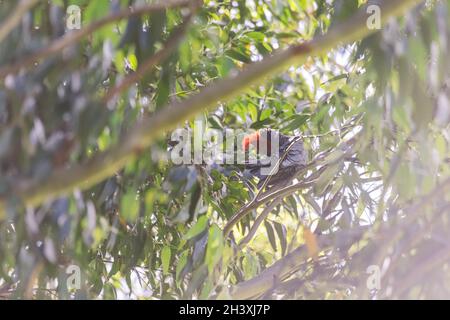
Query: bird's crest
{"points": [[250, 139]]}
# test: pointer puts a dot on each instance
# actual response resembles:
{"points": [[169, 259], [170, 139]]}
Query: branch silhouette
{"points": [[14, 19], [75, 36], [148, 129]]}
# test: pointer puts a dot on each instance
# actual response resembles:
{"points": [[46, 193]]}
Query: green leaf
{"points": [[165, 259], [297, 122], [312, 203], [119, 61], [214, 248], [417, 53], [129, 206], [255, 35], [441, 145], [181, 264], [133, 62], [224, 65], [238, 55], [270, 235], [326, 178], [163, 87], [95, 10], [406, 181], [282, 236], [197, 228]]}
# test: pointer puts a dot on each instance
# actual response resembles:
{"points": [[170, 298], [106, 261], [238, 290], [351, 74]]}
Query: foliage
{"points": [[374, 114]]}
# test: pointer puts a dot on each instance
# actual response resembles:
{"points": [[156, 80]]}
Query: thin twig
{"points": [[146, 131], [305, 183], [171, 44], [242, 213], [75, 36], [434, 261], [289, 264], [258, 222], [14, 18]]}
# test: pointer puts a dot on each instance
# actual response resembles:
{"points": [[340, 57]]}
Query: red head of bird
{"points": [[251, 139], [262, 139]]}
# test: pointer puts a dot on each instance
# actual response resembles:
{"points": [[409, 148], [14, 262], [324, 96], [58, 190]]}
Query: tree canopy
{"points": [[91, 93]]}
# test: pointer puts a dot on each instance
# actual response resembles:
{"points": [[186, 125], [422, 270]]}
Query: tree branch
{"points": [[258, 222], [283, 192], [241, 213], [72, 37], [13, 20], [436, 260], [289, 264], [171, 44], [146, 131]]}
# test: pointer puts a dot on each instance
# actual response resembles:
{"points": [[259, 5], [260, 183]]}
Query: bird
{"points": [[292, 157]]}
